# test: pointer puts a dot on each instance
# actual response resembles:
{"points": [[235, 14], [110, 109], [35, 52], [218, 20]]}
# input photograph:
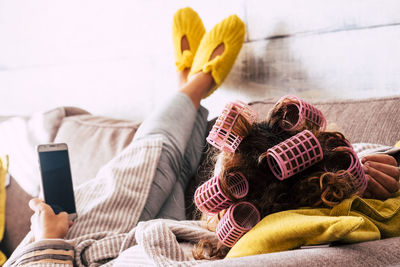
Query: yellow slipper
{"points": [[187, 23], [231, 33]]}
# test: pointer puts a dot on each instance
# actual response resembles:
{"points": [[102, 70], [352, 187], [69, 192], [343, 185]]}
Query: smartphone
{"points": [[56, 179]]}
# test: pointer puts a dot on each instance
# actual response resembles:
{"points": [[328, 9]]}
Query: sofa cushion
{"points": [[93, 141], [18, 216], [19, 137]]}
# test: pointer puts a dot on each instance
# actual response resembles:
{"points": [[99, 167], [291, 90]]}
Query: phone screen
{"points": [[57, 183]]}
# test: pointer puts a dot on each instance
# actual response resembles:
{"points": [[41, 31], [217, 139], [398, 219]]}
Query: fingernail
{"points": [[366, 164], [365, 168]]}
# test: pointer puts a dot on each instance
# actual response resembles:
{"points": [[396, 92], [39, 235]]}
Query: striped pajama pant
{"points": [[183, 129]]}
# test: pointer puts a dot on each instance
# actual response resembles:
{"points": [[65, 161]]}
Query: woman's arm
{"points": [[49, 230], [383, 175], [46, 252]]}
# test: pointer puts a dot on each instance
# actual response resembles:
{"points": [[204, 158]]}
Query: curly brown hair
{"points": [[324, 184]]}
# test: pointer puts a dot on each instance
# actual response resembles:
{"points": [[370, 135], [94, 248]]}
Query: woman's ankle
{"points": [[182, 77], [197, 87]]}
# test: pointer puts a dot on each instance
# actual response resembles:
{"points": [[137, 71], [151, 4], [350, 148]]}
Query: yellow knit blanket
{"points": [[353, 220]]}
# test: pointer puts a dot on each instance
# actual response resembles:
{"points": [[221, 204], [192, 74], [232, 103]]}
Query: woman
{"points": [[147, 180]]}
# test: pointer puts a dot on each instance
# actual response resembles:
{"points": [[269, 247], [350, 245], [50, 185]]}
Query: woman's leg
{"points": [[175, 163], [174, 122], [174, 207]]}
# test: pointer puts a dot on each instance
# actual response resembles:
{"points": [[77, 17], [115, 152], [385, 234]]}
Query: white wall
{"points": [[115, 57]]}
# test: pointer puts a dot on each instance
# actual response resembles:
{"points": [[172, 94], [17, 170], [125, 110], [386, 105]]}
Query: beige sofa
{"points": [[94, 140]]}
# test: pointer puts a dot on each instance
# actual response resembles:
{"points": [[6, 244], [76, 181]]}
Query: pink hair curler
{"points": [[299, 111], [237, 221], [294, 155], [209, 197], [221, 135], [358, 180]]}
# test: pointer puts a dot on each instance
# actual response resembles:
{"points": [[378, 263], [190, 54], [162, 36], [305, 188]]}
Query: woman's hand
{"points": [[383, 175], [45, 223]]}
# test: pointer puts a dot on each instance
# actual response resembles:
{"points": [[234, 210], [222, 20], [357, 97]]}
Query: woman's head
{"points": [[324, 184]]}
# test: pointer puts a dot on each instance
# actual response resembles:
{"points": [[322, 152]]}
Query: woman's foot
{"points": [[216, 54], [218, 50], [200, 84], [183, 75]]}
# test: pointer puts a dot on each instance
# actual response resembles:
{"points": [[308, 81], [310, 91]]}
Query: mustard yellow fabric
{"points": [[3, 174], [397, 144], [186, 22], [353, 220], [230, 32]]}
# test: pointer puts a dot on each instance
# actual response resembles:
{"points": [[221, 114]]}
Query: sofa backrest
{"points": [[374, 120]]}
